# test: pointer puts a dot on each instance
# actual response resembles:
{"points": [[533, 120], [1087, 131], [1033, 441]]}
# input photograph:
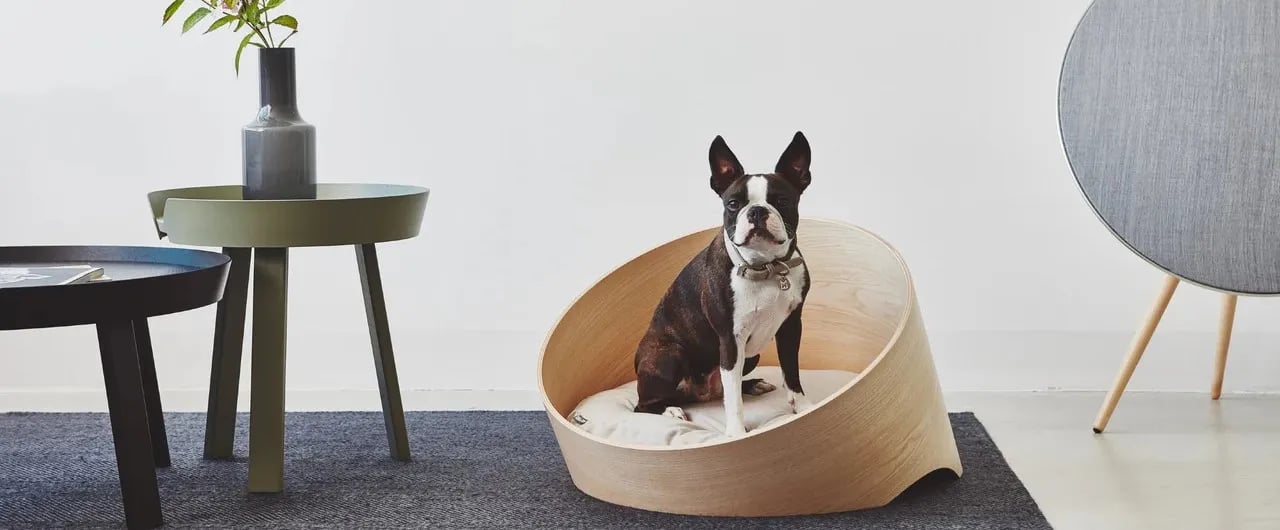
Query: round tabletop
{"points": [[339, 214], [1169, 112], [140, 282]]}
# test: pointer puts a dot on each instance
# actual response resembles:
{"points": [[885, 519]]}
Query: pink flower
{"points": [[230, 7]]}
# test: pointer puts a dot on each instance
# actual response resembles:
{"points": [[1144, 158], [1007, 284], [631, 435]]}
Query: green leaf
{"points": [[286, 21], [220, 22], [239, 24], [169, 11], [243, 42], [251, 10], [194, 19], [272, 4]]}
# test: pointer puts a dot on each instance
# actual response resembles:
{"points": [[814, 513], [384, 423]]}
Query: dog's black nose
{"points": [[757, 214]]}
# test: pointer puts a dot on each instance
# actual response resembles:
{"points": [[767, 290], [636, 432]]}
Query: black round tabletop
{"points": [[1169, 112], [143, 282]]}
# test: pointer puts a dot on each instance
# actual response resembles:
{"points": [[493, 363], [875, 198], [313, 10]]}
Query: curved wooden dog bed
{"points": [[858, 448]]}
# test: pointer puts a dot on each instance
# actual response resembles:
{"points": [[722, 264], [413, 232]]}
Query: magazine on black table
{"points": [[53, 275]]}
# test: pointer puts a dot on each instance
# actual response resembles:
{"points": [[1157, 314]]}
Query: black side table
{"points": [[145, 282]]}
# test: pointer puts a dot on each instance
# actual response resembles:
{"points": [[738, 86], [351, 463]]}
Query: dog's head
{"points": [[761, 211]]}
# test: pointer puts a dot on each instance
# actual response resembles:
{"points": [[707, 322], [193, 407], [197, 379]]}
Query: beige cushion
{"points": [[610, 414]]}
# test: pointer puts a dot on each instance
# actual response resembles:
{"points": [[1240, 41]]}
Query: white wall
{"points": [[561, 138]]}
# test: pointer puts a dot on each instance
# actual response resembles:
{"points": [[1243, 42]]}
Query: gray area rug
{"points": [[471, 470]]}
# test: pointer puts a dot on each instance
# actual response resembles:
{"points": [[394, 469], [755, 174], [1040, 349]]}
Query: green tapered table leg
{"points": [[228, 346], [266, 392], [383, 359]]}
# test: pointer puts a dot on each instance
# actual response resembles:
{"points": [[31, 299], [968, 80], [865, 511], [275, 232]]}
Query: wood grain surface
{"points": [[859, 448]]}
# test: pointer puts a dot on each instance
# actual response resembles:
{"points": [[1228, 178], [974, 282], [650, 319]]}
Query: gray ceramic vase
{"points": [[279, 147]]}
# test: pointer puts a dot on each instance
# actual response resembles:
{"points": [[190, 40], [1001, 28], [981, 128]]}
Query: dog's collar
{"points": [[778, 267]]}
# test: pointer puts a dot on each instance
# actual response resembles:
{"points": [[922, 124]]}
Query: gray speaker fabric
{"points": [[1170, 117]]}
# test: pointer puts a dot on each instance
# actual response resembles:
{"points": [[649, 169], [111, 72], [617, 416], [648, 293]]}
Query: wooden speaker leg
{"points": [[1139, 346], [1224, 342]]}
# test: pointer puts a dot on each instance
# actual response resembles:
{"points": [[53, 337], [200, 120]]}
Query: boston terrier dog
{"points": [[745, 288]]}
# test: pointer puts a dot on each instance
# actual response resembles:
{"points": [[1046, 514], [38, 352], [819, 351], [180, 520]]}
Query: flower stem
{"points": [[265, 42], [267, 18]]}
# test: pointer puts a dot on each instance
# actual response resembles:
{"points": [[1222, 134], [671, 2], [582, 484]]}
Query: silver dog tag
{"points": [[784, 283]]}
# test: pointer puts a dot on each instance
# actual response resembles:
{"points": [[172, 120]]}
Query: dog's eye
{"points": [[733, 205]]}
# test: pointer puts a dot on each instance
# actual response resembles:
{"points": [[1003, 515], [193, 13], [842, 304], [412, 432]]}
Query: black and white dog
{"points": [[745, 288]]}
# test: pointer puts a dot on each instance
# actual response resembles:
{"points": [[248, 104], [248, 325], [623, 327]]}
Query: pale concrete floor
{"points": [[1166, 460]]}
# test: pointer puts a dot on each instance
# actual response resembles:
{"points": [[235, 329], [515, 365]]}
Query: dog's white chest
{"points": [[760, 307]]}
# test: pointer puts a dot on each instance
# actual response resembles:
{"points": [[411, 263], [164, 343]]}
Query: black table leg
{"points": [[384, 359], [228, 346], [129, 429], [151, 393]]}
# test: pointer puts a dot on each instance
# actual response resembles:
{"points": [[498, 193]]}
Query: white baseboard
{"points": [[1037, 360], [367, 400], [295, 400], [967, 361]]}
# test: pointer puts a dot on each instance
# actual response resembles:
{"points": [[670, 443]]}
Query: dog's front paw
{"points": [[735, 430], [676, 412], [757, 387], [799, 403]]}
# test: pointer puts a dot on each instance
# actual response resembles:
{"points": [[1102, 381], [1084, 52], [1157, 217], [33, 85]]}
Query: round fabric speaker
{"points": [[1170, 113]]}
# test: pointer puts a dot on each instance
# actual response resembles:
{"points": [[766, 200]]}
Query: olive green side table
{"points": [[260, 232]]}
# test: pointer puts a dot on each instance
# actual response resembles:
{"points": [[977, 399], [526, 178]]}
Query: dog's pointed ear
{"points": [[725, 168], [794, 163]]}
